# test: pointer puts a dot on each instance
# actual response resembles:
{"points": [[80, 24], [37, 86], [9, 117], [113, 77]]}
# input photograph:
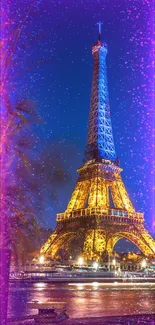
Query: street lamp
{"points": [[95, 265], [80, 261], [143, 264], [114, 262], [41, 259]]}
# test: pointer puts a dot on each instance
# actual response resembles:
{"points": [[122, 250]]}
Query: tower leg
{"points": [[138, 236], [94, 244]]}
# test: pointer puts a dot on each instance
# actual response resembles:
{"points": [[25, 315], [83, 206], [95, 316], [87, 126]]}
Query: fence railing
{"points": [[91, 212]]}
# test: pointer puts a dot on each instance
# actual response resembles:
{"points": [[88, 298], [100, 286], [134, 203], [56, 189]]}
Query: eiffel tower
{"points": [[99, 212]]}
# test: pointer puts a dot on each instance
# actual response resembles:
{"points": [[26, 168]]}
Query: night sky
{"points": [[53, 65]]}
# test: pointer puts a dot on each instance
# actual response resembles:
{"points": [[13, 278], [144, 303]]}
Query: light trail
{"points": [[129, 284]]}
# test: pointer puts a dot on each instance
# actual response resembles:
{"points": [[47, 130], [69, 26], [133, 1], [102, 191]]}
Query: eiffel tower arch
{"points": [[100, 211]]}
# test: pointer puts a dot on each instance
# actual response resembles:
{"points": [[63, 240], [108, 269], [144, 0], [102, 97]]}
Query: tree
{"points": [[28, 174]]}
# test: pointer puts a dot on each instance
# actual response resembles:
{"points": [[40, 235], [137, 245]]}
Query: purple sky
{"points": [[53, 65]]}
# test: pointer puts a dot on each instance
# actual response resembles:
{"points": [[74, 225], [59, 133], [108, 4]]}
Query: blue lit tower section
{"points": [[100, 143]]}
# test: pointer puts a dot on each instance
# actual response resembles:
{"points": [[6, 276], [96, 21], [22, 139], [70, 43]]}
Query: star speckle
{"points": [[52, 64]]}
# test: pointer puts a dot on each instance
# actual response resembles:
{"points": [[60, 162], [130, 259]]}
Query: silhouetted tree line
{"points": [[30, 174]]}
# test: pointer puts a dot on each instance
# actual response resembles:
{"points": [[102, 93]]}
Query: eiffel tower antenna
{"points": [[99, 30]]}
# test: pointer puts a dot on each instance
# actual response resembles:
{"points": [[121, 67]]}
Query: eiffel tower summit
{"points": [[99, 212]]}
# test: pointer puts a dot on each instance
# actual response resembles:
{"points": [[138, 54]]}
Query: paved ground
{"points": [[124, 320]]}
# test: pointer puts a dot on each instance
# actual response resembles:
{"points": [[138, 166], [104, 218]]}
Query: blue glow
{"points": [[100, 143]]}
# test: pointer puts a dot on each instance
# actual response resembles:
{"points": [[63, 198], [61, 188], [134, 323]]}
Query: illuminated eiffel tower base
{"points": [[97, 227], [99, 212]]}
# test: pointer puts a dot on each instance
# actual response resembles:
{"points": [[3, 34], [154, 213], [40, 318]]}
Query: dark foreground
{"points": [[123, 320], [87, 303]]}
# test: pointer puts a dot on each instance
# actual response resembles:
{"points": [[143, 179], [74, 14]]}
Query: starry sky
{"points": [[53, 63]]}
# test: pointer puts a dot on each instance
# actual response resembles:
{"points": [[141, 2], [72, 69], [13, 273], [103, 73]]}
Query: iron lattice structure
{"points": [[99, 212], [100, 143]]}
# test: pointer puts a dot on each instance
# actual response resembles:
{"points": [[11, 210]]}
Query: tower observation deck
{"points": [[100, 211]]}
